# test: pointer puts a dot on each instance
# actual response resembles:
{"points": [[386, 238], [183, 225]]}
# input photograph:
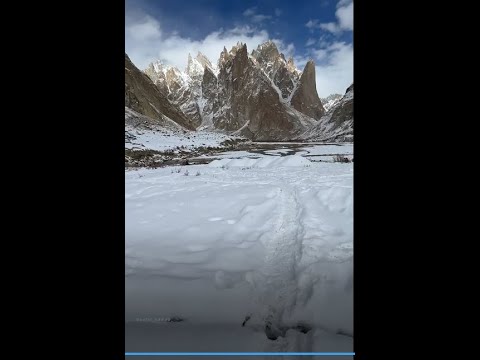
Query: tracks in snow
{"points": [[276, 286], [283, 252]]}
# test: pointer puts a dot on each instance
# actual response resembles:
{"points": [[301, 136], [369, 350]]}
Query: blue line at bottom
{"points": [[239, 353]]}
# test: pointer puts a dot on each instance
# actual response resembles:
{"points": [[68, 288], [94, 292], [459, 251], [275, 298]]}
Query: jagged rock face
{"points": [[261, 95], [283, 74], [224, 56], [180, 89], [194, 68], [144, 97], [336, 124], [183, 94], [155, 73], [305, 98], [231, 112], [330, 101], [247, 101], [209, 103], [183, 89], [343, 112], [205, 62], [266, 52]]}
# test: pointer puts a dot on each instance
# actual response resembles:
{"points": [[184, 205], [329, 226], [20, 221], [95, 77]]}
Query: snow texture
{"points": [[162, 139], [269, 236]]}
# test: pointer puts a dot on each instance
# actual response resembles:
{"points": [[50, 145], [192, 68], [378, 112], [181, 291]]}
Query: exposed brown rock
{"points": [[261, 95], [247, 101], [144, 97], [305, 99], [283, 74]]}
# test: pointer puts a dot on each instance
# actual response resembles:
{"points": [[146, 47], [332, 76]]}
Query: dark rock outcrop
{"points": [[305, 98], [248, 103], [144, 97]]}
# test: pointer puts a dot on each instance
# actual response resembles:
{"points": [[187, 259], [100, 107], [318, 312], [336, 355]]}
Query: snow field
{"points": [[271, 237]]}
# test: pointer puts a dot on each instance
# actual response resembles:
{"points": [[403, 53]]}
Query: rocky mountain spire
{"points": [[190, 65], [291, 64], [223, 57], [305, 99], [203, 60], [283, 74], [261, 95], [266, 52]]}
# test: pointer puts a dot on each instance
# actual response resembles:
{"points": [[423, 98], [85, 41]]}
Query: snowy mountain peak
{"points": [[158, 67], [194, 67], [223, 57], [269, 44], [261, 95], [202, 59], [330, 101], [237, 47], [267, 52], [174, 75], [291, 66]]}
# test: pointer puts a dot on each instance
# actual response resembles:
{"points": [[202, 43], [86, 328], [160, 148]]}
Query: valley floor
{"points": [[259, 234]]}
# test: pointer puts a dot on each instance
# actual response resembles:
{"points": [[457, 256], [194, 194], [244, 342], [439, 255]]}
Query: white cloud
{"points": [[312, 24], [256, 18], [148, 29], [334, 69], [331, 27], [320, 54], [260, 17], [344, 3], [278, 12], [145, 42], [250, 11], [344, 15], [310, 42], [287, 50]]}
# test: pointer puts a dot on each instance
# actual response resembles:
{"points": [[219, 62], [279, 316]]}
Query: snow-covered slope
{"points": [[144, 133], [269, 237], [330, 101], [134, 120], [336, 124], [143, 97]]}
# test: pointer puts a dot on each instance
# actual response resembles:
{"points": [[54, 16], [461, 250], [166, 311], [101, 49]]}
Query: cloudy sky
{"points": [[321, 30]]}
